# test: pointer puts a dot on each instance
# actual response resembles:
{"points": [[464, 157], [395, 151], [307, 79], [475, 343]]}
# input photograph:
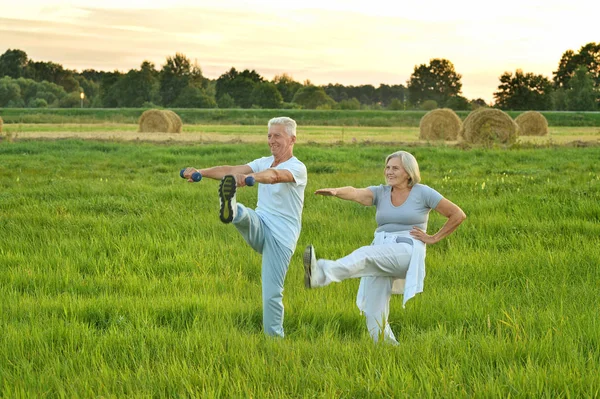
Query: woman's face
{"points": [[395, 174]]}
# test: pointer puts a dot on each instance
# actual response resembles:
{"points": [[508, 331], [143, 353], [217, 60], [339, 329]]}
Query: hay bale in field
{"points": [[440, 124], [155, 120], [487, 126], [175, 120], [532, 123]]}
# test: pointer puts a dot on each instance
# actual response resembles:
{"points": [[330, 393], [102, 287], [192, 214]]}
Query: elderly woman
{"points": [[395, 262]]}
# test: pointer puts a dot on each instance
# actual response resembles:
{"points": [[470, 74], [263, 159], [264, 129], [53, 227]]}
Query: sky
{"points": [[349, 42]]}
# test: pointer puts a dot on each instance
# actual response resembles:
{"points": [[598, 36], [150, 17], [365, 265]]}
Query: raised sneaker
{"points": [[310, 265], [227, 198]]}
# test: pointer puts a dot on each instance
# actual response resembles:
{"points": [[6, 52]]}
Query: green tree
{"points": [[226, 101], [71, 100], [581, 95], [437, 81], [312, 97], [559, 99], [266, 95], [108, 95], [429, 105], [396, 105], [478, 103], [10, 93], [137, 87], [287, 86], [588, 56], [385, 94], [194, 97], [458, 103], [352, 104], [524, 91], [239, 85], [177, 74], [13, 63]]}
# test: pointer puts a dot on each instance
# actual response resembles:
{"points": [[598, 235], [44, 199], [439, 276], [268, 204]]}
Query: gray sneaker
{"points": [[310, 263], [227, 198]]}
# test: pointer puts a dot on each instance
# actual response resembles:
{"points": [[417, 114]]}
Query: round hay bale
{"points": [[489, 125], [155, 120], [532, 123], [175, 120], [440, 124]]}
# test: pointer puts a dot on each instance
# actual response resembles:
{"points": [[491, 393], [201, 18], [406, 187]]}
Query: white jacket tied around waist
{"points": [[415, 275]]}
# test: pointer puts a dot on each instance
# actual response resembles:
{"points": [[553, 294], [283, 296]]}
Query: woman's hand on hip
{"points": [[421, 235]]}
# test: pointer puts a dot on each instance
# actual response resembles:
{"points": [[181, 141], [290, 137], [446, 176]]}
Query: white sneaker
{"points": [[310, 267], [227, 190]]}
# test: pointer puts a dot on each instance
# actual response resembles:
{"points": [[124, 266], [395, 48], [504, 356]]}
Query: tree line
{"points": [[179, 83]]}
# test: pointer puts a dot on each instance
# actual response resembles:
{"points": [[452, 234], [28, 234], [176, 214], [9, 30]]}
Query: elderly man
{"points": [[274, 227]]}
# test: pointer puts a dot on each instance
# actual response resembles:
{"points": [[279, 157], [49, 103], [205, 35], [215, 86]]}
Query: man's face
{"points": [[279, 141]]}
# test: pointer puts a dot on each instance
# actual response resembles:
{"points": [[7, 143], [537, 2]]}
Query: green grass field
{"points": [[118, 280], [253, 117], [256, 134]]}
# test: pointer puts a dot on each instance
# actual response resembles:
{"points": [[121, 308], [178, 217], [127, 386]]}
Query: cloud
{"points": [[326, 45]]}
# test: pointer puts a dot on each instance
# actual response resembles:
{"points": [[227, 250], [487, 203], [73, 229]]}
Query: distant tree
{"points": [[287, 86], [49, 71], [90, 88], [429, 105], [477, 103], [437, 81], [352, 104], [365, 94], [588, 56], [524, 91], [266, 95], [312, 97], [226, 101], [10, 93], [109, 96], [458, 103], [581, 95], [194, 97], [37, 103], [337, 91], [71, 100], [559, 99], [137, 87], [396, 105], [177, 74], [238, 85], [385, 94], [13, 63]]}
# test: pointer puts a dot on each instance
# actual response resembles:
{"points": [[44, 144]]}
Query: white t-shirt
{"points": [[280, 205]]}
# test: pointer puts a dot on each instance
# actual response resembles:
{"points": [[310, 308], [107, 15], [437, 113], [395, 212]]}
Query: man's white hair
{"points": [[288, 123]]}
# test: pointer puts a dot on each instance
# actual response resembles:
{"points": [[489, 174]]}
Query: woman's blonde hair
{"points": [[410, 165]]}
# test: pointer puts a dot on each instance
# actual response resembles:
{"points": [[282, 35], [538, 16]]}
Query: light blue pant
{"points": [[275, 261]]}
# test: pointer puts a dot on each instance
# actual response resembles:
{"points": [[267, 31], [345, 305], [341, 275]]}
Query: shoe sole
{"points": [[307, 258], [226, 192]]}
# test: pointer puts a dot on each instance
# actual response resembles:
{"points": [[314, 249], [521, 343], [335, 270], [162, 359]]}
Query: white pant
{"points": [[377, 266]]}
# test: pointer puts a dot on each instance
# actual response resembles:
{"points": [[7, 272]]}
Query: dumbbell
{"points": [[197, 176]]}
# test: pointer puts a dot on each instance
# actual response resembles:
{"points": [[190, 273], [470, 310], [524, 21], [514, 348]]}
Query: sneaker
{"points": [[227, 199], [310, 264]]}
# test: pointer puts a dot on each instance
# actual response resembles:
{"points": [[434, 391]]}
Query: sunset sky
{"points": [[327, 41]]}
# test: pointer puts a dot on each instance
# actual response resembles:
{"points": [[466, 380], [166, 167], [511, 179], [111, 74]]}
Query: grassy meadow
{"points": [[256, 134], [118, 280], [257, 117]]}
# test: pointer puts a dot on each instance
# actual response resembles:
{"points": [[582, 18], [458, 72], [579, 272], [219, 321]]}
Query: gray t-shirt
{"points": [[413, 212]]}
